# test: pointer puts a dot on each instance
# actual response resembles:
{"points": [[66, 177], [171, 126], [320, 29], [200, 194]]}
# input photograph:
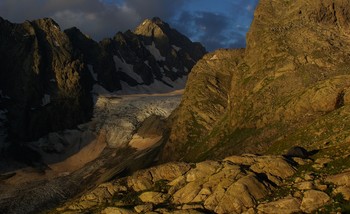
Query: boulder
{"points": [[188, 193], [314, 199], [140, 181], [153, 197], [297, 151], [342, 179], [344, 190], [306, 185], [241, 160], [275, 166], [202, 170], [169, 171], [286, 206], [143, 208], [239, 197], [115, 210]]}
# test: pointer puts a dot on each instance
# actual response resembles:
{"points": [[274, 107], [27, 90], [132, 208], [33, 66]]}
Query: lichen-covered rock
{"points": [[342, 179], [344, 191], [314, 199], [209, 186], [226, 188], [285, 205], [169, 171], [202, 170], [275, 168], [116, 210], [140, 181], [143, 208], [153, 197], [187, 193], [306, 185], [240, 196]]}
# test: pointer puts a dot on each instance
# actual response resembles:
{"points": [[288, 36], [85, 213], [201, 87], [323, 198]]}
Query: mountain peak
{"points": [[46, 22], [150, 26], [157, 20]]}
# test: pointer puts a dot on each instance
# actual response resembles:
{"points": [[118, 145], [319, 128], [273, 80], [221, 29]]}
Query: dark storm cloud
{"points": [[103, 18], [212, 29], [150, 8], [218, 30], [93, 17]]}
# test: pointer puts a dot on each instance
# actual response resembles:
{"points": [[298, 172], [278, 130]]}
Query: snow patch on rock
{"points": [[46, 100], [215, 57], [147, 63], [3, 130], [165, 86], [2, 95], [126, 68], [155, 52], [176, 48], [92, 72]]}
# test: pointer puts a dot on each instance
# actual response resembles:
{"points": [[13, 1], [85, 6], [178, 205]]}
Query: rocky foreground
{"points": [[236, 184]]}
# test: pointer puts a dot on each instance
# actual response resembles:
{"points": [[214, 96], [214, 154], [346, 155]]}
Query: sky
{"points": [[214, 23]]}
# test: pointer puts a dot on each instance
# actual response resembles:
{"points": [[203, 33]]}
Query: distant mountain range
{"points": [[48, 76]]}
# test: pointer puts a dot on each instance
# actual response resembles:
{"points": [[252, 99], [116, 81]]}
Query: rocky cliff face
{"points": [[45, 86], [289, 87], [48, 76]]}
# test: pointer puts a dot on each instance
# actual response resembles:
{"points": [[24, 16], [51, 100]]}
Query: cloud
{"points": [[212, 29], [93, 17], [164, 9], [103, 18]]}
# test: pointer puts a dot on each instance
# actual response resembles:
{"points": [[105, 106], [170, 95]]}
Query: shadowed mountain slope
{"points": [[48, 76]]}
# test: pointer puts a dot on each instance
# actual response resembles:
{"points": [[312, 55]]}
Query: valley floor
{"points": [[125, 134]]}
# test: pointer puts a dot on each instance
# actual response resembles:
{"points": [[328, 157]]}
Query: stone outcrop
{"points": [[290, 82], [237, 184], [204, 103], [286, 205], [314, 199]]}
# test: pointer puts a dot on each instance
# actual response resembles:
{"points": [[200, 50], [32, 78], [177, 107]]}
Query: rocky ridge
{"points": [[237, 184], [289, 87], [152, 58]]}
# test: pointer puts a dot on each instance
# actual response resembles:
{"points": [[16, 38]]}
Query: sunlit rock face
{"points": [[291, 81]]}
